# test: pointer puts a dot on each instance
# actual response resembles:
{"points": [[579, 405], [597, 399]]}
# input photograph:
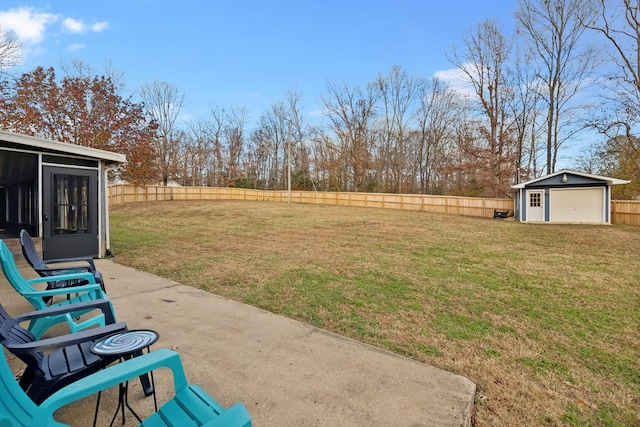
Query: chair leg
{"points": [[146, 385], [38, 391], [27, 378], [144, 378]]}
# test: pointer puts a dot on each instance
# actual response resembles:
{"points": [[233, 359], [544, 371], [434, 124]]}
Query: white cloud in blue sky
{"points": [[34, 28], [457, 81], [99, 27], [27, 23], [75, 47], [74, 25], [80, 27]]}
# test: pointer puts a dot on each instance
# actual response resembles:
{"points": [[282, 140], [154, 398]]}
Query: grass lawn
{"points": [[543, 318]]}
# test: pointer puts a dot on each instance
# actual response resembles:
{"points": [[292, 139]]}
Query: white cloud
{"points": [[457, 80], [28, 24], [77, 26], [98, 27], [74, 25], [75, 47]]}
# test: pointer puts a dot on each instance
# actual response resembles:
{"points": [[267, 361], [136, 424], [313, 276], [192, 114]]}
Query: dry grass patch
{"points": [[543, 318]]}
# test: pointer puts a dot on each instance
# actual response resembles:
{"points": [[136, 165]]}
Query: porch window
{"points": [[70, 204]]}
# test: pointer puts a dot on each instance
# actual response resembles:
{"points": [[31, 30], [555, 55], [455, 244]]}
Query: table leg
{"points": [[123, 402], [95, 415], [120, 405], [153, 387], [126, 403], [148, 386]]}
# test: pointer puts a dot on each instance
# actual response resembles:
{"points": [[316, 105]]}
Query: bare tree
{"points": [[297, 131], [234, 134], [326, 158], [350, 112], [619, 23], [397, 94], [78, 68], [554, 30], [280, 152], [524, 108], [436, 117], [217, 124], [196, 155], [10, 51], [227, 144], [164, 103], [270, 141], [484, 62]]}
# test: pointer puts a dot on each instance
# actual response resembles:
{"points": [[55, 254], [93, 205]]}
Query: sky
{"points": [[247, 52]]}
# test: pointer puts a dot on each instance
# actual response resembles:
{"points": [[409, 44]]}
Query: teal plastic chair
{"points": [[190, 406], [41, 299]]}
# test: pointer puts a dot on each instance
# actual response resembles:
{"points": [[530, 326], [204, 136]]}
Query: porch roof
{"points": [[61, 147]]}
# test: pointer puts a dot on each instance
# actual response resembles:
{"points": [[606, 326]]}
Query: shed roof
{"points": [[608, 180], [62, 147]]}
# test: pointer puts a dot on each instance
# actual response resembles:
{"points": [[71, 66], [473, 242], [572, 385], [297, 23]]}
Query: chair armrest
{"points": [[69, 269], [102, 304], [62, 291], [116, 374], [88, 260], [49, 344], [86, 275]]}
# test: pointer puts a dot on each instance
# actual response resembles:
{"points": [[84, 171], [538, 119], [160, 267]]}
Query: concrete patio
{"points": [[286, 373]]}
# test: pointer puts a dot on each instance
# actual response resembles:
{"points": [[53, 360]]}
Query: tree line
{"points": [[528, 95]]}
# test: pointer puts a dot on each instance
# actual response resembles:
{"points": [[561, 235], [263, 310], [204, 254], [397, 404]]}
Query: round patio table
{"points": [[125, 344]]}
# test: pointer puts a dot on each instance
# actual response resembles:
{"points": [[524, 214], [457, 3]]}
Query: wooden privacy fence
{"points": [[625, 212], [469, 206], [622, 211]]}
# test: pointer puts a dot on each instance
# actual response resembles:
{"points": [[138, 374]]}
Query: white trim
{"points": [[20, 150], [104, 248], [99, 189], [40, 199], [63, 165], [62, 147], [609, 180], [607, 207]]}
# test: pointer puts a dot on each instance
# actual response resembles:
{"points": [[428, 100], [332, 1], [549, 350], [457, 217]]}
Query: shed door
{"points": [[535, 206], [577, 205], [70, 212]]}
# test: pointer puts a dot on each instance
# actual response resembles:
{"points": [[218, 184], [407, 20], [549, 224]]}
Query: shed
{"points": [[566, 196], [56, 191]]}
